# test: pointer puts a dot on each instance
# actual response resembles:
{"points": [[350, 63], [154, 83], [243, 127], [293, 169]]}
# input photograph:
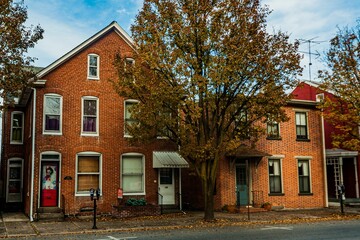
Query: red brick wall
{"points": [[70, 81]]}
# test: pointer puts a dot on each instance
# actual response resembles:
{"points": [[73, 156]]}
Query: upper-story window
{"points": [[17, 128], [93, 66], [301, 126], [52, 114], [129, 104], [273, 130], [90, 123]]}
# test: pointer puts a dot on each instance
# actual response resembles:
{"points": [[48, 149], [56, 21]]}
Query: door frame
{"points": [[173, 187], [21, 178]]}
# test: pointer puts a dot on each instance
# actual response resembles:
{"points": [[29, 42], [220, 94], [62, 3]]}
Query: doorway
{"points": [[166, 186], [241, 185], [49, 184], [14, 181]]}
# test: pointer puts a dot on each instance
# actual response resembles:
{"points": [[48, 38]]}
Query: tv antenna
{"points": [[310, 42]]}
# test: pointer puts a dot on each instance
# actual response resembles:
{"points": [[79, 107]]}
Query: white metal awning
{"points": [[168, 160]]}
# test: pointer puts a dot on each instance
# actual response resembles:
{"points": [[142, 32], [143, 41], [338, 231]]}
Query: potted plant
{"points": [[267, 206]]}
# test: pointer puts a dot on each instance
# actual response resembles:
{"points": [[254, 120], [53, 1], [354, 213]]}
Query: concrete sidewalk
{"points": [[17, 225]]}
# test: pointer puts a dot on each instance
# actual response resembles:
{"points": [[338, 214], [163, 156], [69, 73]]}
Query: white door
{"points": [[166, 186], [14, 180]]}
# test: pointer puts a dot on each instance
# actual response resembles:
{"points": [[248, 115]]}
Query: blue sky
{"points": [[68, 23]]}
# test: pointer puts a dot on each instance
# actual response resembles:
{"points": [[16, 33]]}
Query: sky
{"points": [[67, 23]]}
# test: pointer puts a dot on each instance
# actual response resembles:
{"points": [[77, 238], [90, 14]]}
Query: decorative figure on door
{"points": [[49, 181]]}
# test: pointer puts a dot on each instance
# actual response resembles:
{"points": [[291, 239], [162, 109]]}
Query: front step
{"points": [[50, 214], [170, 209]]}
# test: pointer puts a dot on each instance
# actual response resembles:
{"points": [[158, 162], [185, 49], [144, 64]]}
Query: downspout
{"points": [[33, 157], [356, 178], [324, 159], [180, 200]]}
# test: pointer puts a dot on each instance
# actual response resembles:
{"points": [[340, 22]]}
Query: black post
{"points": [[341, 192], [94, 226]]}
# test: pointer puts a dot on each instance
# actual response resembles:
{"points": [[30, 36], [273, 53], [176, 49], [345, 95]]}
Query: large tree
{"points": [[205, 72], [15, 40], [342, 79]]}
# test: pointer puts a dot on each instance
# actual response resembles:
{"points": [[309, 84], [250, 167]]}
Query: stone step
{"points": [[51, 217]]}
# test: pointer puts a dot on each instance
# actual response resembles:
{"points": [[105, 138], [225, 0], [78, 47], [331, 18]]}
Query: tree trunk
{"points": [[208, 190]]}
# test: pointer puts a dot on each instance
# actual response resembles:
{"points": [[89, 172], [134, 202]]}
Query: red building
{"points": [[342, 165], [286, 168]]}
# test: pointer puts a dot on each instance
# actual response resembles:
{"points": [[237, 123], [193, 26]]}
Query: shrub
{"points": [[136, 202]]}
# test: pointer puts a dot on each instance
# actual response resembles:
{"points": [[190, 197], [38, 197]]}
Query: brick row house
{"points": [[286, 168], [342, 165], [67, 134]]}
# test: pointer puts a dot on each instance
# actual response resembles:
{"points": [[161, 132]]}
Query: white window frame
{"points": [[97, 77], [84, 133], [280, 158], [93, 154], [131, 101], [22, 128], [143, 174], [52, 132], [308, 159], [307, 124]]}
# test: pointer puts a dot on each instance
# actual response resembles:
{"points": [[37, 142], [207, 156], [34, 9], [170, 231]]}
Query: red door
{"points": [[49, 184]]}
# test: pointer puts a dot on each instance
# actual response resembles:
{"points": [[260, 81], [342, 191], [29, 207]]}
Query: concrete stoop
{"points": [[53, 214]]}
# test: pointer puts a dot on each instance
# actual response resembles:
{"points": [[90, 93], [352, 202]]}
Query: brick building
{"points": [[67, 135], [342, 165], [286, 168]]}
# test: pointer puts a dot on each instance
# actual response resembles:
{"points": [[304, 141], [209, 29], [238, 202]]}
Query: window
{"points": [[128, 119], [90, 116], [17, 131], [132, 174], [88, 173], [304, 176], [301, 125], [273, 130], [52, 113], [93, 66], [275, 176]]}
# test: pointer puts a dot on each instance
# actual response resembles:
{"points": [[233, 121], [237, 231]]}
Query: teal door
{"points": [[241, 185]]}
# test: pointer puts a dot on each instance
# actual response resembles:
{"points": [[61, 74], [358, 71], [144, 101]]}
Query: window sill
{"points": [[276, 194], [52, 133], [273, 138], [89, 134], [93, 78], [306, 194], [302, 140], [16, 143], [134, 194]]}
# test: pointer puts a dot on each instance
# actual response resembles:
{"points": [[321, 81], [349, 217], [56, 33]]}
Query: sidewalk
{"points": [[17, 225]]}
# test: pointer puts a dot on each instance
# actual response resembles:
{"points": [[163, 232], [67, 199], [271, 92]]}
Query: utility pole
{"points": [[309, 52]]}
